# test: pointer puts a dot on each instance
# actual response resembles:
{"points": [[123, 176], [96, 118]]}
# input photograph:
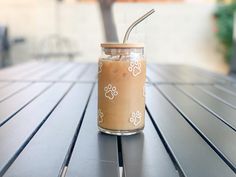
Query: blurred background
{"points": [[192, 32]]}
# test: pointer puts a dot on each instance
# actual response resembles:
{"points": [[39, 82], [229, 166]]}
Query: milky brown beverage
{"points": [[121, 95]]}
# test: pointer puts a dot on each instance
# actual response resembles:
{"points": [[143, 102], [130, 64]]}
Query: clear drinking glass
{"points": [[121, 88]]}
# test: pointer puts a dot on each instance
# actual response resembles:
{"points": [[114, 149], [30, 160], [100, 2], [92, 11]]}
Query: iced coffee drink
{"points": [[121, 89]]}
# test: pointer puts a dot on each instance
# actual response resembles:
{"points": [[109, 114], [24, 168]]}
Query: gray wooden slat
{"points": [[95, 154], [202, 73], [45, 153], [222, 95], [198, 74], [169, 78], [4, 84], [155, 76], [211, 128], [12, 89], [171, 75], [25, 123], [29, 72], [184, 77], [14, 70], [144, 154], [194, 156], [95, 169], [90, 74], [75, 73], [232, 77], [48, 69], [218, 76], [228, 88], [191, 70], [61, 72], [181, 75], [15, 103], [221, 110]]}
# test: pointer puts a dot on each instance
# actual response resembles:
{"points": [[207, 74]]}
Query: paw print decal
{"points": [[99, 67], [110, 92], [134, 68], [136, 118], [100, 116]]}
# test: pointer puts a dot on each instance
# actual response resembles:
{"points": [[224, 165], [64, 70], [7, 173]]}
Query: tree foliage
{"points": [[224, 16]]}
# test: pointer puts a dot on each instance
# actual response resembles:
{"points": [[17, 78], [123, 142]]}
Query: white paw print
{"points": [[136, 118], [99, 67], [110, 92], [100, 116], [134, 68]]}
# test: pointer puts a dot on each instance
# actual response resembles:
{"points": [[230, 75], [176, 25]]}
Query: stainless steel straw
{"points": [[135, 23]]}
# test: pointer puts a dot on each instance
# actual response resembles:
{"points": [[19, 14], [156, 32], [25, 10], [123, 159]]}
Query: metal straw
{"points": [[135, 23]]}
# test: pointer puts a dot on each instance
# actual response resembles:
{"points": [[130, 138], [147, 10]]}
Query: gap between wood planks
{"points": [[120, 156], [66, 162], [5, 168], [195, 128], [70, 150], [26, 104], [176, 165]]}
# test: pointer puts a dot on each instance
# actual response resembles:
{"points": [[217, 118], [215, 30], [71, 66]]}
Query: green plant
{"points": [[224, 23]]}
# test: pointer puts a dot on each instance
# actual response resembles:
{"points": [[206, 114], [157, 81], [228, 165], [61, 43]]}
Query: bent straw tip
{"points": [[135, 23], [153, 10]]}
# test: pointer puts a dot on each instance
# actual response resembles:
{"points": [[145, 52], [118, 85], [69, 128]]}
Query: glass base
{"points": [[120, 132]]}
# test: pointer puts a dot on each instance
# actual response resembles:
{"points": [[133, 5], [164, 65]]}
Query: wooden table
{"points": [[48, 124]]}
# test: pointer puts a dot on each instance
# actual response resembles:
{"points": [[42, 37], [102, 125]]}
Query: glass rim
{"points": [[122, 45]]}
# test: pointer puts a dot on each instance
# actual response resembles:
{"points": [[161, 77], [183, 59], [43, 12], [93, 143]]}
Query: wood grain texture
{"points": [[95, 154], [145, 155], [194, 156], [228, 88], [90, 75], [221, 110], [10, 72], [48, 123], [45, 153], [16, 134], [211, 128], [76, 73], [221, 95], [12, 89], [49, 69], [14, 104]]}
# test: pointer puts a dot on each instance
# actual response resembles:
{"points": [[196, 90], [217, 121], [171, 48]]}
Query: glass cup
{"points": [[121, 88]]}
